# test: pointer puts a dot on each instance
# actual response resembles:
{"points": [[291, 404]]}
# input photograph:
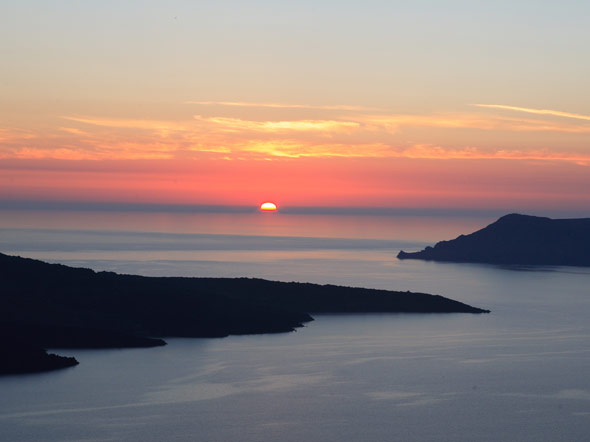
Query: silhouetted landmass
{"points": [[59, 336], [21, 355], [519, 240], [56, 306]]}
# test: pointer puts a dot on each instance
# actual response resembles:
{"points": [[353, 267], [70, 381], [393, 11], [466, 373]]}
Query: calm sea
{"points": [[520, 373]]}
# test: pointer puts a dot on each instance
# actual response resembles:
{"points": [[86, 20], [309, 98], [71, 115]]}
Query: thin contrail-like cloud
{"points": [[537, 111], [282, 105]]}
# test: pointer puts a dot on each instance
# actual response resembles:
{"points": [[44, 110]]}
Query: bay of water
{"points": [[520, 373]]}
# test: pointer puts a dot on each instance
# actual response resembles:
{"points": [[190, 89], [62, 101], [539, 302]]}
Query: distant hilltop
{"points": [[517, 239]]}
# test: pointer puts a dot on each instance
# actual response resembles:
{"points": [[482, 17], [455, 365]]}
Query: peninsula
{"points": [[55, 306], [517, 240]]}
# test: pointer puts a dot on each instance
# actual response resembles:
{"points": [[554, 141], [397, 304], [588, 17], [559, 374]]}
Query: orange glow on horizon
{"points": [[369, 159], [399, 182]]}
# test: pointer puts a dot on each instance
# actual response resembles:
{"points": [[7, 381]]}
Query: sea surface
{"points": [[520, 373]]}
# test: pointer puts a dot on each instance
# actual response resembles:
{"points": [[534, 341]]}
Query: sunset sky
{"points": [[380, 104]]}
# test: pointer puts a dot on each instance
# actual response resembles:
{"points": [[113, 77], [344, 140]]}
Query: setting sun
{"points": [[268, 207]]}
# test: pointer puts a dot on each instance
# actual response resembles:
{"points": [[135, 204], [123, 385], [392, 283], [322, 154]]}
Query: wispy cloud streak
{"points": [[554, 113], [282, 105], [444, 135], [236, 125]]}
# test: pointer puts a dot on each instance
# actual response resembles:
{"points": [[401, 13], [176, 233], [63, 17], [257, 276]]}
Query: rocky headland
{"points": [[55, 306], [517, 240]]}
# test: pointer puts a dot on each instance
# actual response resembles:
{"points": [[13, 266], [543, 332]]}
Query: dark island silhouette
{"points": [[46, 305], [517, 240]]}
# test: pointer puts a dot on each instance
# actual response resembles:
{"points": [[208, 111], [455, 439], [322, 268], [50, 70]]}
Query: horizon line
{"points": [[102, 206]]}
